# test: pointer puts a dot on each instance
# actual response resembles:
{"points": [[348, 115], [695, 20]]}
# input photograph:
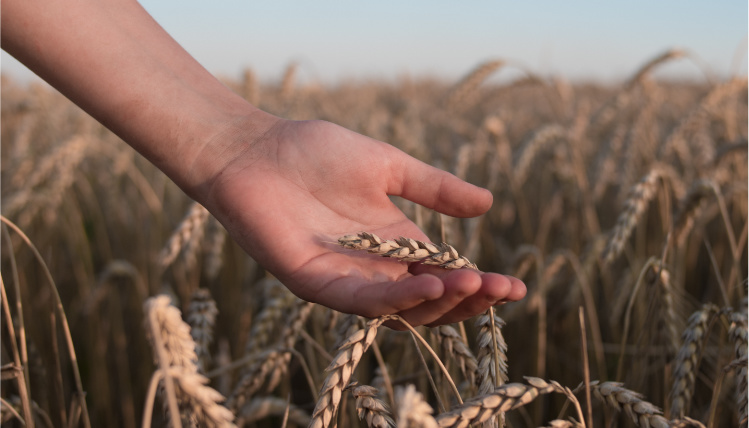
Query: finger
{"points": [[518, 290], [459, 285], [385, 298], [495, 289], [436, 189]]}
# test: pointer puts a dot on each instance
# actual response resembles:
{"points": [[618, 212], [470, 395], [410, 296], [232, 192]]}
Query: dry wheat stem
{"points": [[408, 250], [21, 376], [62, 317]]}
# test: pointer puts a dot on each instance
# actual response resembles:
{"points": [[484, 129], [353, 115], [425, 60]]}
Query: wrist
{"points": [[214, 146]]}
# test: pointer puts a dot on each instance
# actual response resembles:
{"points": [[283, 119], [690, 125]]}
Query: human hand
{"points": [[288, 196]]}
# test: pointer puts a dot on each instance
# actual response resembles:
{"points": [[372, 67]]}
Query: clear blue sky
{"points": [[577, 39]]}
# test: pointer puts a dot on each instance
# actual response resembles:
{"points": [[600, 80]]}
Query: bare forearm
{"points": [[112, 59]]}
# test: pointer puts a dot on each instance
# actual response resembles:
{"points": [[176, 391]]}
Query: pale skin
{"points": [[285, 190]]}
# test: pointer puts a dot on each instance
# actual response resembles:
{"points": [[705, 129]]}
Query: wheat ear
{"points": [[687, 359], [640, 196], [504, 398], [456, 348], [644, 414], [263, 407], [175, 353], [340, 371], [201, 315], [369, 407], [467, 86], [738, 335], [189, 230], [492, 353], [413, 411], [408, 250]]}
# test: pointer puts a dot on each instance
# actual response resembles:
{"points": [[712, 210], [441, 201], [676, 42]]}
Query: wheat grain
{"points": [[408, 250]]}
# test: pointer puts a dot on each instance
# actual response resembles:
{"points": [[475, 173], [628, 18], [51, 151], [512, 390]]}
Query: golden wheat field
{"points": [[622, 207]]}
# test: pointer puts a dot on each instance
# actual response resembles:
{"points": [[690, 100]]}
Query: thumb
{"points": [[435, 189]]}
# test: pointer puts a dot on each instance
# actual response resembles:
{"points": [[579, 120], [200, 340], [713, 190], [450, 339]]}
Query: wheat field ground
{"points": [[622, 207]]}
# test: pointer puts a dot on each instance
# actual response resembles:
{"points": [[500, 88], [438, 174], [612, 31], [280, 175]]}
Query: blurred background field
{"points": [[627, 200]]}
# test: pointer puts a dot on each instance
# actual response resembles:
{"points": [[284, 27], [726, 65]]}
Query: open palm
{"points": [[288, 197]]}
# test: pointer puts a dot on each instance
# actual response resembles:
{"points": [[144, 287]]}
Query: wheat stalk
{"points": [[408, 250]]}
